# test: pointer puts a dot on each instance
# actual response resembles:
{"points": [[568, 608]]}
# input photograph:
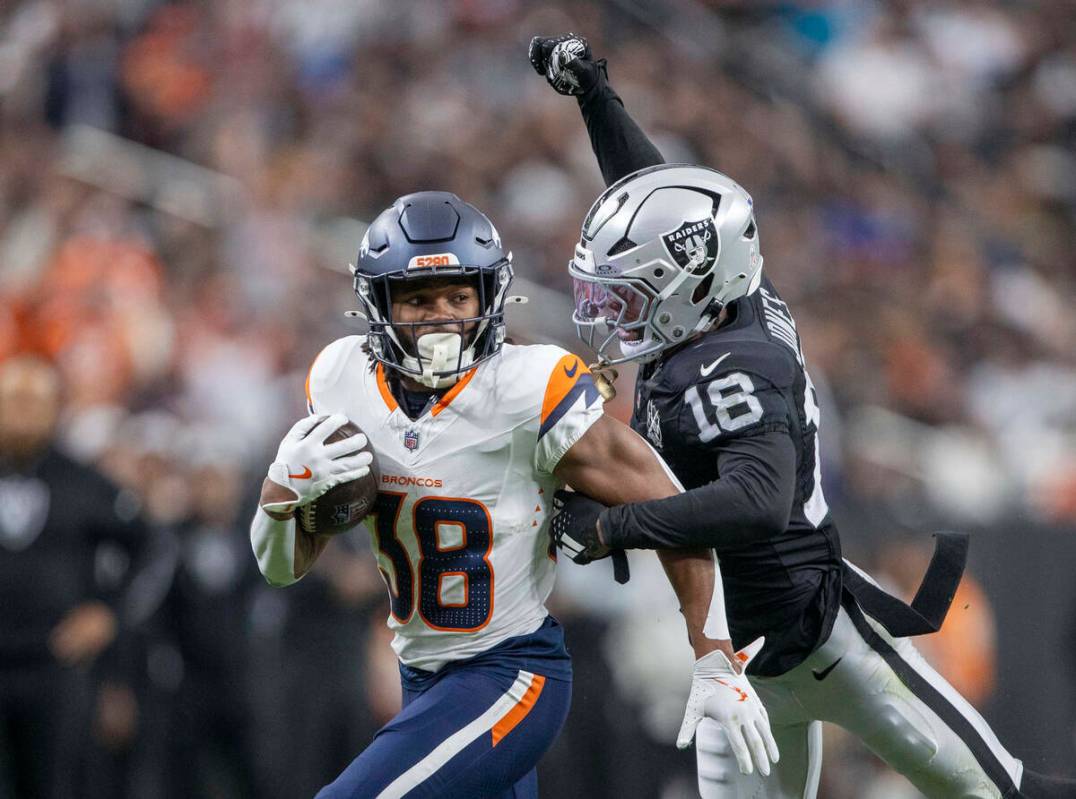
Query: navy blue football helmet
{"points": [[424, 235]]}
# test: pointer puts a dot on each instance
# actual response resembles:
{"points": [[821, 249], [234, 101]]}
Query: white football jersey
{"points": [[460, 527]]}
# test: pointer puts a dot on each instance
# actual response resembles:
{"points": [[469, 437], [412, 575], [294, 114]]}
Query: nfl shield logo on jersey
{"points": [[411, 440]]}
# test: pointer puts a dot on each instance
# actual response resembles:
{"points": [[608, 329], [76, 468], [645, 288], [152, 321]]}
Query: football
{"points": [[342, 507]]}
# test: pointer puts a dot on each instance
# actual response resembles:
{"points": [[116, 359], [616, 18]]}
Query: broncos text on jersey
{"points": [[745, 378], [460, 529]]}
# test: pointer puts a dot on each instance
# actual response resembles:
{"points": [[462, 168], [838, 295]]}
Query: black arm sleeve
{"points": [[751, 501], [619, 144]]}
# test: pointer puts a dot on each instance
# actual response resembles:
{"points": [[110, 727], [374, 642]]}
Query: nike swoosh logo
{"points": [[571, 373], [304, 475], [706, 370], [821, 675]]}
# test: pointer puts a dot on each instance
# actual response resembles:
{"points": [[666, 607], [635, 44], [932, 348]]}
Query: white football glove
{"points": [[309, 467], [719, 693]]}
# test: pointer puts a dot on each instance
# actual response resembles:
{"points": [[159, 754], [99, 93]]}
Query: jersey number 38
{"points": [[460, 567]]}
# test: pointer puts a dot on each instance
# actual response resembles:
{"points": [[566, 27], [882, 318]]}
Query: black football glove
{"points": [[574, 527], [565, 62]]}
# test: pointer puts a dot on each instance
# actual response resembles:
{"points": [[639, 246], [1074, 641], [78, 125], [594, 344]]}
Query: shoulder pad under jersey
{"points": [[531, 376], [324, 380], [715, 355]]}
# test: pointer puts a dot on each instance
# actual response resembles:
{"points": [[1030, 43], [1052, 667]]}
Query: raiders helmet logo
{"points": [[693, 245]]}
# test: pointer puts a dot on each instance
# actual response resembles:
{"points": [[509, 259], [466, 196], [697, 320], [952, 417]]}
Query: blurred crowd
{"points": [[183, 183]]}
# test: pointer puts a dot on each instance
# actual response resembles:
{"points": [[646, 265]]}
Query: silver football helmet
{"points": [[662, 251]]}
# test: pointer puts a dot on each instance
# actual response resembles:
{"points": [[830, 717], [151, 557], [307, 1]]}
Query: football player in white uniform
{"points": [[669, 273], [473, 437]]}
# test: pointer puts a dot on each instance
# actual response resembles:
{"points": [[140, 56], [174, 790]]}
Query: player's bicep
{"points": [[613, 464]]}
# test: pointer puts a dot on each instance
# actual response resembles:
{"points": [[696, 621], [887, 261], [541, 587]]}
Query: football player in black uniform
{"points": [[668, 273]]}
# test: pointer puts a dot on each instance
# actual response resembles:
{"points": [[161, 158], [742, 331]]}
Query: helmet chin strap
{"points": [[439, 352]]}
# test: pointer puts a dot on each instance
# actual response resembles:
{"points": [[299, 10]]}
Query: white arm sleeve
{"points": [[717, 625], [274, 547]]}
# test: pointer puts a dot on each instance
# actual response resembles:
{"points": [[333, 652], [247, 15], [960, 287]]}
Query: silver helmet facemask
{"points": [[662, 251]]}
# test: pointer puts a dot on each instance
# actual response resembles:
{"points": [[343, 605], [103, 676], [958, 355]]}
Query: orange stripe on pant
{"points": [[519, 711]]}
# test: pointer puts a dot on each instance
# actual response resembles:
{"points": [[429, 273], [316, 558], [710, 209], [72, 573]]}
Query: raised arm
{"points": [[620, 145]]}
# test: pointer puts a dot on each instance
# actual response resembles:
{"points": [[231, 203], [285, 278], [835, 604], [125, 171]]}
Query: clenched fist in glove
{"points": [[720, 693], [306, 467], [574, 527], [565, 62]]}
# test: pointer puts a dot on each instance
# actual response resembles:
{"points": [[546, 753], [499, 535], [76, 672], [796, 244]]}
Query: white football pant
{"points": [[881, 690]]}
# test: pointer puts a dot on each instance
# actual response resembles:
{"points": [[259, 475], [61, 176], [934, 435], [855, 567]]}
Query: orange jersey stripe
{"points": [[565, 375], [451, 394], [383, 387], [519, 711]]}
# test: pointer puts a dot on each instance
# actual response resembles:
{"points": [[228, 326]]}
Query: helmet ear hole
{"points": [[702, 291]]}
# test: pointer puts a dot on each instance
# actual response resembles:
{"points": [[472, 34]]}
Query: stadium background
{"points": [[183, 184]]}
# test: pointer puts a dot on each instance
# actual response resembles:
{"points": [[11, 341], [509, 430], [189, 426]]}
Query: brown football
{"points": [[342, 507]]}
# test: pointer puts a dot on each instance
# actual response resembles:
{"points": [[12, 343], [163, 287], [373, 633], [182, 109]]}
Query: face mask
{"points": [[439, 352]]}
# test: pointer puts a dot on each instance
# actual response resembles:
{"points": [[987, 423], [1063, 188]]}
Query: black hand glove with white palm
{"points": [[574, 527], [565, 62], [308, 467], [720, 693]]}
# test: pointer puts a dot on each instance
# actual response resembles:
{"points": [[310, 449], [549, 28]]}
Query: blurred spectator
{"points": [[206, 616], [55, 622], [312, 712]]}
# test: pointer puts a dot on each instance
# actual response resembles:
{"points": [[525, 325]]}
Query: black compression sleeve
{"points": [[619, 144], [750, 502]]}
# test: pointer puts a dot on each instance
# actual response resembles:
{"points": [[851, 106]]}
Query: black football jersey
{"points": [[747, 378], [56, 513]]}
